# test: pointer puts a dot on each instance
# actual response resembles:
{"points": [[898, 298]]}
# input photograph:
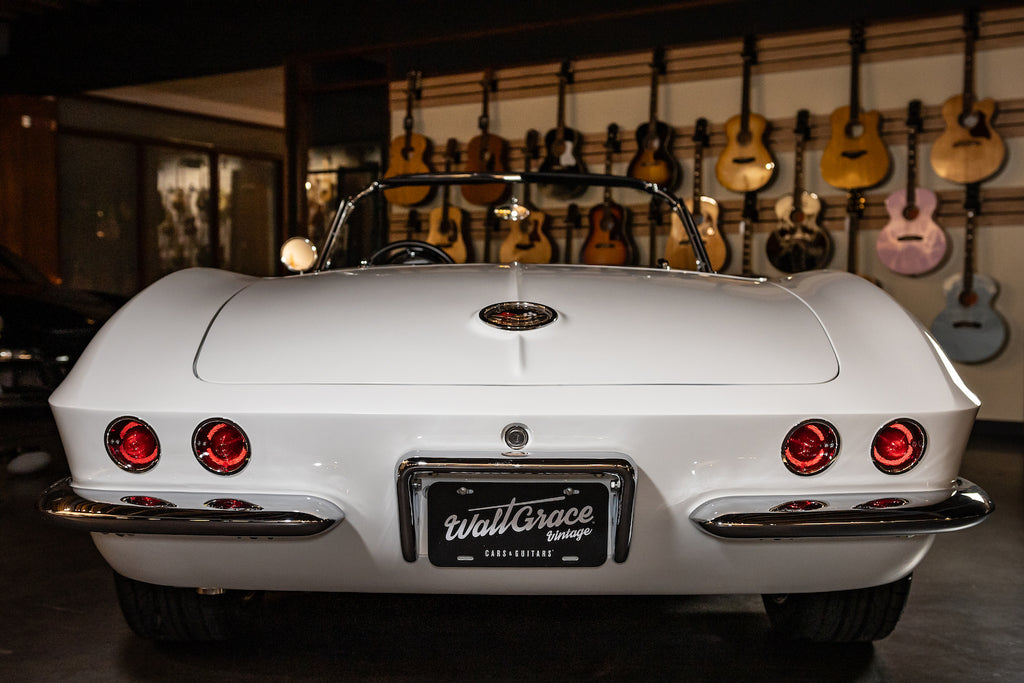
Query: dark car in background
{"points": [[43, 329]]}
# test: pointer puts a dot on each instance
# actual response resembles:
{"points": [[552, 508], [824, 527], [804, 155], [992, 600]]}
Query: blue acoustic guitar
{"points": [[968, 328]]}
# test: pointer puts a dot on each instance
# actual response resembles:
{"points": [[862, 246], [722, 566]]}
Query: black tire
{"points": [[860, 615], [182, 614]]}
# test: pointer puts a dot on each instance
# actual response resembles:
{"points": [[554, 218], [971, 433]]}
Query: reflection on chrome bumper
{"points": [[845, 515], [106, 512]]}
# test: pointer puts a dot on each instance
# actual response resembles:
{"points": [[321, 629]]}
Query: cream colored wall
{"points": [[884, 85]]}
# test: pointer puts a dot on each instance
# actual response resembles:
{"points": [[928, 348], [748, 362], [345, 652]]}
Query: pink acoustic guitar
{"points": [[911, 243]]}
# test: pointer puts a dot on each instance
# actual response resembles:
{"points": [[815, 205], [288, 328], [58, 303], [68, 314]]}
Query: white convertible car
{"points": [[513, 428]]}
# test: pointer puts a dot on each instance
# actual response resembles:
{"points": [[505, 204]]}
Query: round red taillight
{"points": [[132, 444], [898, 446], [221, 446], [810, 447]]}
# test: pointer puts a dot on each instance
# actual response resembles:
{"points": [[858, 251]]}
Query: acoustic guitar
{"points": [[799, 243], [654, 162], [969, 149], [968, 328], [486, 153], [855, 156], [911, 243], [409, 152], [527, 240], [607, 242], [746, 164], [563, 145], [446, 221], [678, 250]]}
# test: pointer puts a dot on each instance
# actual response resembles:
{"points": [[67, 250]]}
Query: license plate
{"points": [[517, 524]]}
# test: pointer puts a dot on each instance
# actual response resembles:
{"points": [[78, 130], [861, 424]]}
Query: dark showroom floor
{"points": [[59, 619]]}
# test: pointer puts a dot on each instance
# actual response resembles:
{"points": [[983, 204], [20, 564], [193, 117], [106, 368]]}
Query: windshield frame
{"points": [[441, 179]]}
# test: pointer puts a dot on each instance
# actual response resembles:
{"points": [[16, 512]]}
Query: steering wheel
{"points": [[408, 252]]}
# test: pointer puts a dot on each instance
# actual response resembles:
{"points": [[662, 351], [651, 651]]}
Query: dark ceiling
{"points": [[68, 46]]}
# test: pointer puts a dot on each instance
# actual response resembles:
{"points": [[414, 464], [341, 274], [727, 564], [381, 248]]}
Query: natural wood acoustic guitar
{"points": [[446, 221], [607, 242], [486, 153], [527, 240], [678, 250], [409, 153], [654, 162], [855, 157], [746, 163], [969, 150]]}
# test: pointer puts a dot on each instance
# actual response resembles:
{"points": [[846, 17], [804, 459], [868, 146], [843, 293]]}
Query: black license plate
{"points": [[517, 524]]}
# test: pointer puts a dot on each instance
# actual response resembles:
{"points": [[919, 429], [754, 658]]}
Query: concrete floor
{"points": [[59, 619]]}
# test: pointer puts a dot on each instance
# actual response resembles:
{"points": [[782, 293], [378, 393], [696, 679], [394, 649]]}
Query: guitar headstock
{"points": [[489, 83], [750, 49], [573, 216], [855, 203], [971, 24], [612, 143], [414, 85], [803, 124], [658, 61], [565, 74], [857, 37], [700, 133], [914, 121]]}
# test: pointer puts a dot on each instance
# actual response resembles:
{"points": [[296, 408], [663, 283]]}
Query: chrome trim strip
{"points": [[280, 516], [412, 468], [930, 512]]}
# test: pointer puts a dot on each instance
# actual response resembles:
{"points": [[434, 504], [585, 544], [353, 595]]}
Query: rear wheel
{"points": [[859, 615], [182, 614]]}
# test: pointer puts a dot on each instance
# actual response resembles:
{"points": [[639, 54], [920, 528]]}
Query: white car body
{"points": [[361, 388]]}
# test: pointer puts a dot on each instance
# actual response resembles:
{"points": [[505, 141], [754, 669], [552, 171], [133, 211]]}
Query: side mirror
{"points": [[298, 254]]}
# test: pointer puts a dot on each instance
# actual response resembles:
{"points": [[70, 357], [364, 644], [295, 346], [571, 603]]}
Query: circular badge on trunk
{"points": [[518, 315]]}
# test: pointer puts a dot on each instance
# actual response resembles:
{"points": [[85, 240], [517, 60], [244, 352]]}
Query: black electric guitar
{"points": [[563, 145], [607, 243], [799, 243], [654, 162]]}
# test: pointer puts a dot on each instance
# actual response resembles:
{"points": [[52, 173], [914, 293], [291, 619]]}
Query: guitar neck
{"points": [[560, 135], [654, 97], [912, 168], [854, 212], [798, 174], [698, 178], [747, 223], [745, 101]]}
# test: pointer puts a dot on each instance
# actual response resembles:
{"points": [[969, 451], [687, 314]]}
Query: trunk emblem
{"points": [[518, 315]]}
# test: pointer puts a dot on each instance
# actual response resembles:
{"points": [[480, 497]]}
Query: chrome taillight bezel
{"points": [[921, 436], [203, 453], [113, 441], [790, 461]]}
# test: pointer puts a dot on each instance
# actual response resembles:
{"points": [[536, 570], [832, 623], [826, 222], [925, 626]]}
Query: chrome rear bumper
{"points": [[188, 514], [845, 515]]}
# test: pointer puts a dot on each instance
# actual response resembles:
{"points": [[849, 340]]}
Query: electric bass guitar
{"points": [[486, 153], [653, 161], [446, 221], [746, 164], [799, 243], [678, 250], [527, 240], [969, 149], [563, 146], [911, 243], [409, 153], [968, 328], [607, 243], [855, 157]]}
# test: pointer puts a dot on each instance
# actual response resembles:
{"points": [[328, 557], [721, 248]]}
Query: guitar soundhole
{"points": [[911, 213], [974, 122], [797, 217], [967, 299], [407, 152], [744, 138], [854, 130]]}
